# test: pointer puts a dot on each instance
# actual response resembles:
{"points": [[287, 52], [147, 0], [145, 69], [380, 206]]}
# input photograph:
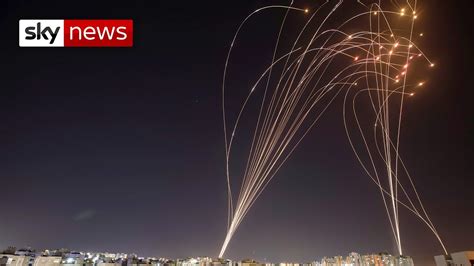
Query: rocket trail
{"points": [[365, 61]]}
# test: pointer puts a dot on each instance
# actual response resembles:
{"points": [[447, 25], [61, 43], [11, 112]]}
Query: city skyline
{"points": [[63, 256]]}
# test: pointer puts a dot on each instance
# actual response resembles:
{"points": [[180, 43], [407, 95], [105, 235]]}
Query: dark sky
{"points": [[122, 149]]}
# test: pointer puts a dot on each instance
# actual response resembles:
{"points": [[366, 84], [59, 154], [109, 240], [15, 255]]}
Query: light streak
{"points": [[301, 83]]}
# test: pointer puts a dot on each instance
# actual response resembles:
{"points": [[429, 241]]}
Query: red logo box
{"points": [[98, 33]]}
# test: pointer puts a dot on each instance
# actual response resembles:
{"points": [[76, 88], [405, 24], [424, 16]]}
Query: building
{"points": [[47, 261], [463, 258], [249, 262], [354, 259], [443, 260], [16, 260]]}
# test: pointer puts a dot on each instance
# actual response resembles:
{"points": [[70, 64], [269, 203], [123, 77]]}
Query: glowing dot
{"points": [[375, 12], [414, 12], [396, 44], [397, 80], [415, 16], [410, 46], [419, 55], [356, 58], [403, 9], [411, 57], [349, 37], [405, 66], [391, 35], [377, 58], [403, 73], [391, 51], [411, 94], [420, 84], [306, 10], [431, 65], [380, 47], [421, 34]]}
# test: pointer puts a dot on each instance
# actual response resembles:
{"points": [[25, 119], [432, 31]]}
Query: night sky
{"points": [[122, 150]]}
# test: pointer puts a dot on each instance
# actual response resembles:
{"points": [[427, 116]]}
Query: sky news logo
{"points": [[75, 33]]}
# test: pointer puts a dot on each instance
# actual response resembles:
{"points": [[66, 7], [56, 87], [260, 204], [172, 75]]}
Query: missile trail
{"points": [[364, 60]]}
